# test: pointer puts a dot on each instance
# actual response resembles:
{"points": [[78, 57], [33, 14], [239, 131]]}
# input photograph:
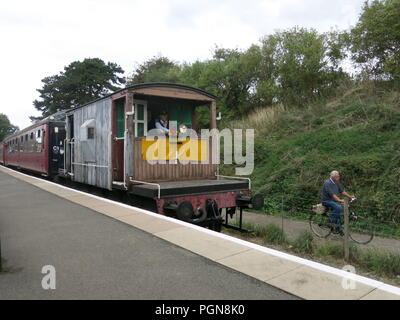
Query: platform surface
{"points": [[99, 257], [103, 249]]}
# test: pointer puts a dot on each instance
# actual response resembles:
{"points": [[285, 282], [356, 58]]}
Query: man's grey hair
{"points": [[334, 173]]}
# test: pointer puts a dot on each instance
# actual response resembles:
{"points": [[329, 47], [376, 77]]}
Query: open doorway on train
{"points": [[118, 140], [179, 111]]}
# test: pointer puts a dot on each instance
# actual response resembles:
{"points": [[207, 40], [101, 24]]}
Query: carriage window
{"points": [[38, 138], [140, 111], [31, 143], [87, 130], [140, 118], [90, 133], [140, 130], [120, 118], [38, 145], [26, 146]]}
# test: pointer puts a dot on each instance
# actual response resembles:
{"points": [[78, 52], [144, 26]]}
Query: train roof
{"points": [[60, 116], [56, 117], [150, 85]]}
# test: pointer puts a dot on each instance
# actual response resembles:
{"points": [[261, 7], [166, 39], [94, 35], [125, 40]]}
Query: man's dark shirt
{"points": [[330, 188]]}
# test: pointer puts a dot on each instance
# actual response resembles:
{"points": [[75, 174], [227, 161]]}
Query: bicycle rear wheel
{"points": [[320, 226], [361, 228]]}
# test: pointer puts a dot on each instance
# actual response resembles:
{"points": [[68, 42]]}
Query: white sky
{"points": [[38, 38]]}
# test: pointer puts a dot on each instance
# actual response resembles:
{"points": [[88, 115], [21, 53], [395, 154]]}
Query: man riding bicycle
{"points": [[331, 190]]}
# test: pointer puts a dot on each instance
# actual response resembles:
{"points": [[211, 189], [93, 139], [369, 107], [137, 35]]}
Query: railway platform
{"points": [[101, 249]]}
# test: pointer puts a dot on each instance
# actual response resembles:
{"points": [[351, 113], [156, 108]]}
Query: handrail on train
{"points": [[71, 142], [149, 183], [232, 177]]}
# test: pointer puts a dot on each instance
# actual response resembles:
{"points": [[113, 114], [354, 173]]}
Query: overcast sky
{"points": [[38, 38]]}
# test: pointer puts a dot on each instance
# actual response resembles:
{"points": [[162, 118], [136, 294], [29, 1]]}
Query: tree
{"points": [[6, 128], [231, 75], [156, 69], [79, 83], [375, 40], [303, 63], [237, 74]]}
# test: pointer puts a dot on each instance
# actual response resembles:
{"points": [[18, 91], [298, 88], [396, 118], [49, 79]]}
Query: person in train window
{"points": [[162, 122]]}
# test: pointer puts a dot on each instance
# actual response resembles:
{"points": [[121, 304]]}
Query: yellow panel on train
{"points": [[172, 149]]}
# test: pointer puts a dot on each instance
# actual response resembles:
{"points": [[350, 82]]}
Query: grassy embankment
{"points": [[357, 133]]}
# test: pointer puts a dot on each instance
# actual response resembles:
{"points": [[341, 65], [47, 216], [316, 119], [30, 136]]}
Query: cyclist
{"points": [[331, 190]]}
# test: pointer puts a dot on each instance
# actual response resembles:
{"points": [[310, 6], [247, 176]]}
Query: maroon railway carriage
{"points": [[1, 153], [38, 148]]}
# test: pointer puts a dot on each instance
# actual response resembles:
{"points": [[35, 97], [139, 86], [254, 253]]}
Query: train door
{"points": [[56, 148], [118, 140]]}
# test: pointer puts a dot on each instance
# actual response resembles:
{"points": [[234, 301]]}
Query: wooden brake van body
{"points": [[107, 146]]}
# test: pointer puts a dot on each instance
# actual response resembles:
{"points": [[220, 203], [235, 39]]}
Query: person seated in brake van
{"points": [[161, 123], [331, 190]]}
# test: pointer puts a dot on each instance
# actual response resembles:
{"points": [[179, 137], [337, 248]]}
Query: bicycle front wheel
{"points": [[361, 229], [319, 224]]}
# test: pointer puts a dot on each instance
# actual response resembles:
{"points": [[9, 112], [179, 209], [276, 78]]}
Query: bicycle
{"points": [[361, 227]]}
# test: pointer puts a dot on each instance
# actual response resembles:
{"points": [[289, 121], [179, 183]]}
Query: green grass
{"points": [[387, 230], [336, 251], [270, 233], [357, 133], [380, 262], [274, 235], [304, 243]]}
